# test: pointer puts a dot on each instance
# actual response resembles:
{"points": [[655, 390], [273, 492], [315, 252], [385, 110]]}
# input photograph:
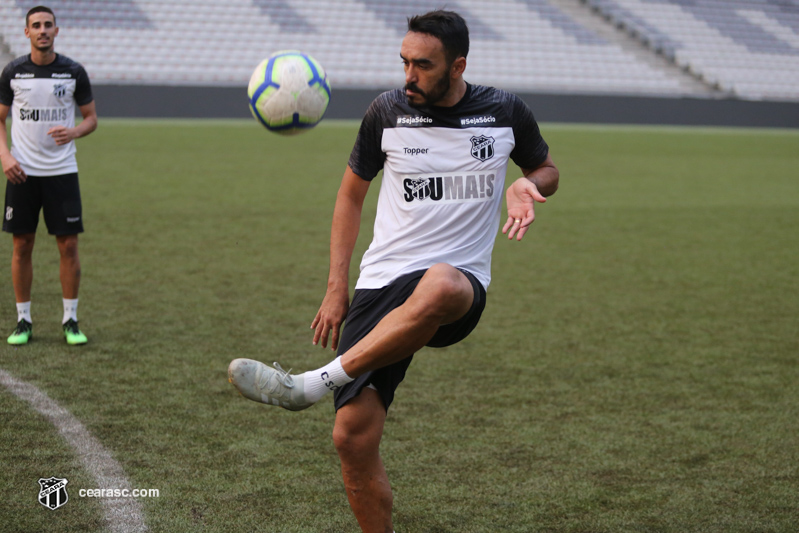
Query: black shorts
{"points": [[57, 196], [369, 306]]}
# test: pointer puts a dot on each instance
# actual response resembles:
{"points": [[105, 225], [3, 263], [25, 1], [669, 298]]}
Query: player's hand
{"points": [[62, 134], [330, 317], [521, 197], [12, 169]]}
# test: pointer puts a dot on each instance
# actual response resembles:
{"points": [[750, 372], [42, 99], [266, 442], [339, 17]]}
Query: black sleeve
{"points": [[367, 157], [83, 88], [6, 94], [531, 150]]}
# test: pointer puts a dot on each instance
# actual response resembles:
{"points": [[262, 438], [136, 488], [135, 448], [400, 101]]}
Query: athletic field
{"points": [[636, 368]]}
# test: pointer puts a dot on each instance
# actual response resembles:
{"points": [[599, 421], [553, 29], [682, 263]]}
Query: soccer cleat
{"points": [[73, 334], [22, 334], [272, 386]]}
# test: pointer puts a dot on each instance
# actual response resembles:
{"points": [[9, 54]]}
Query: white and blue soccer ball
{"points": [[289, 92]]}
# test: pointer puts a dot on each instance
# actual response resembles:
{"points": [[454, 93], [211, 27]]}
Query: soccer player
{"points": [[443, 145], [42, 89]]}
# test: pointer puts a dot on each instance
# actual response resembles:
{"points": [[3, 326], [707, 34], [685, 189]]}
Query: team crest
{"points": [[53, 493], [420, 189], [482, 147], [59, 90]]}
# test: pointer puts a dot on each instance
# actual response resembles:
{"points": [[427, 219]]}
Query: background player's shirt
{"points": [[443, 179], [41, 97]]}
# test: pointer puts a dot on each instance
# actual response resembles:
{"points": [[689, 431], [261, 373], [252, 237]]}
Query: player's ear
{"points": [[458, 66]]}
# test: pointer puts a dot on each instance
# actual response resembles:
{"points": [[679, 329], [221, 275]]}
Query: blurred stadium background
{"points": [[715, 62]]}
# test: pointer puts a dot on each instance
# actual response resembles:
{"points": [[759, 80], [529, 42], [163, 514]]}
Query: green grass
{"points": [[635, 368]]}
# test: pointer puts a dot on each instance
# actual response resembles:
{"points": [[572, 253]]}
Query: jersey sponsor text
{"points": [[464, 188], [46, 114], [413, 120], [416, 151], [476, 121]]}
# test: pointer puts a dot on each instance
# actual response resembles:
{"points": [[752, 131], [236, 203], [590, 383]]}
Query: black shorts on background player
{"points": [[369, 306], [58, 197]]}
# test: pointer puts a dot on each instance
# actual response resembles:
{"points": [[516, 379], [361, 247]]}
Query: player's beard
{"points": [[434, 95], [45, 46]]}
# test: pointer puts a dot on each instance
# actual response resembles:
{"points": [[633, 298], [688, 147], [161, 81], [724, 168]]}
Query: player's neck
{"points": [[455, 94], [42, 57]]}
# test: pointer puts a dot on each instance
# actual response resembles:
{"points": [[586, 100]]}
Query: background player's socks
{"points": [[70, 310], [24, 312], [319, 382]]}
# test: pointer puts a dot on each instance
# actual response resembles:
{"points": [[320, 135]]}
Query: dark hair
{"points": [[38, 9], [448, 27]]}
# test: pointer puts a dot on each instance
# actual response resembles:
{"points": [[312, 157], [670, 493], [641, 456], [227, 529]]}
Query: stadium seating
{"points": [[746, 48]]}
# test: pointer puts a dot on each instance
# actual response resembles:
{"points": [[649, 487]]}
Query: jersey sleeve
{"points": [[367, 156], [531, 150], [6, 93], [83, 88]]}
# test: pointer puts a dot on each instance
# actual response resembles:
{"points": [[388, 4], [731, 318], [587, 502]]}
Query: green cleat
{"points": [[272, 386], [73, 334], [22, 334]]}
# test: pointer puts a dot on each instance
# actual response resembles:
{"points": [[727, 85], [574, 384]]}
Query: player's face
{"points": [[428, 75], [41, 30]]}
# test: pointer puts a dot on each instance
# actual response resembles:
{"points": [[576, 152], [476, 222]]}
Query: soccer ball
{"points": [[289, 92]]}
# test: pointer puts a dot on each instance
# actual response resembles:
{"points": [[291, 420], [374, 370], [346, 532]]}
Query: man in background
{"points": [[41, 90]]}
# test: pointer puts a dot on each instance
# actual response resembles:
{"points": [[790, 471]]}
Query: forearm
{"points": [[89, 122], [343, 235], [86, 126], [4, 149], [545, 177]]}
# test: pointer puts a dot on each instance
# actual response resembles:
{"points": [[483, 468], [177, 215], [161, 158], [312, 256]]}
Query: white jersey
{"points": [[41, 97], [443, 179]]}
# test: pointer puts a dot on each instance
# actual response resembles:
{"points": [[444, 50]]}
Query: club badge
{"points": [[53, 493]]}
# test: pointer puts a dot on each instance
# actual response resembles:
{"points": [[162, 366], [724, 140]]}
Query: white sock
{"points": [[323, 380], [24, 312], [70, 310]]}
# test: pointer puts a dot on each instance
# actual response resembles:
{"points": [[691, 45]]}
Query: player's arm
{"points": [[344, 233], [11, 167], [535, 186], [63, 135]]}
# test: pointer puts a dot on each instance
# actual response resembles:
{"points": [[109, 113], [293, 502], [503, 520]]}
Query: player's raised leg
{"points": [[443, 295]]}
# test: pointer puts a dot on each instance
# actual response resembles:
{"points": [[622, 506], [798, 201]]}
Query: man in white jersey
{"points": [[40, 91], [443, 146]]}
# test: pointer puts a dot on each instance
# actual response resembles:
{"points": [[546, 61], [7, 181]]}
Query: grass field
{"points": [[635, 368]]}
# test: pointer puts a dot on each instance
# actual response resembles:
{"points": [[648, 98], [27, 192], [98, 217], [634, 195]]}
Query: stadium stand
{"points": [[747, 49]]}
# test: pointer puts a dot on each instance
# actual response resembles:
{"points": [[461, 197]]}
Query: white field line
{"points": [[124, 515]]}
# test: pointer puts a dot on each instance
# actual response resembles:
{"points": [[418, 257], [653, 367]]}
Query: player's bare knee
{"points": [[353, 445], [23, 244], [68, 246], [442, 288]]}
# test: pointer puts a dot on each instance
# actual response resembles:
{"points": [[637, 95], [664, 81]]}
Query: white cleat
{"points": [[272, 386]]}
